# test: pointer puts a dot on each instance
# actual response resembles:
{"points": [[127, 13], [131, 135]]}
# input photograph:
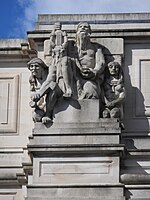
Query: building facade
{"points": [[82, 157]]}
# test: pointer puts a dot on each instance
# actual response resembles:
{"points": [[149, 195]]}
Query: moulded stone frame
{"points": [[138, 57], [81, 170], [12, 110]]}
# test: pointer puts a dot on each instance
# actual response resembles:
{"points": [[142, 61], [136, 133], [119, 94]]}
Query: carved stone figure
{"points": [[114, 91], [91, 63], [59, 79], [39, 72], [58, 40], [43, 90], [77, 67], [61, 63]]}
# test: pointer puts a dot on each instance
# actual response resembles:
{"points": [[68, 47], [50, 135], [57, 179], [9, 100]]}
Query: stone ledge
{"points": [[135, 178], [103, 126], [138, 152], [76, 192], [9, 182], [82, 149], [105, 33], [138, 186], [77, 198], [88, 185], [85, 17], [77, 131], [75, 139]]}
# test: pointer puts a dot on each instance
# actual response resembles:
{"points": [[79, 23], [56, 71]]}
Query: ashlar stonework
{"points": [[84, 80], [80, 88]]}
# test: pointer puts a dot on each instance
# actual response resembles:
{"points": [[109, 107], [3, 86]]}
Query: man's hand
{"points": [[87, 73], [35, 97], [111, 104]]}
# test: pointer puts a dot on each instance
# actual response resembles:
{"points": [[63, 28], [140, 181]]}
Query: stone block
{"points": [[75, 170], [80, 139], [115, 45], [77, 193], [102, 126], [138, 192], [104, 131], [78, 198], [12, 193], [7, 197], [77, 111]]}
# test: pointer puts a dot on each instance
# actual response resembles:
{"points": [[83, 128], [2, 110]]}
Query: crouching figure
{"points": [[114, 92]]}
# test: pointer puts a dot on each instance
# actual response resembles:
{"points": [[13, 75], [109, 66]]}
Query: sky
{"points": [[19, 16]]}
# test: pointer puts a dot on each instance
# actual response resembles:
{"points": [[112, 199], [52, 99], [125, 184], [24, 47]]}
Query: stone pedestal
{"points": [[76, 157]]}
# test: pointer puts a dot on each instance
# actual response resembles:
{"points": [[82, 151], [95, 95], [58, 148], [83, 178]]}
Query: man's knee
{"points": [[106, 113], [115, 113]]}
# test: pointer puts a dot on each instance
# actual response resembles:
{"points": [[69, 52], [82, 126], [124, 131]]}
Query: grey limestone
{"points": [[78, 198], [124, 25], [135, 178], [87, 17], [79, 155], [80, 193], [12, 43], [137, 193], [72, 144]]}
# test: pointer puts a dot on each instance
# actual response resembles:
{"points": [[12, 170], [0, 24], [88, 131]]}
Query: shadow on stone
{"points": [[64, 103]]}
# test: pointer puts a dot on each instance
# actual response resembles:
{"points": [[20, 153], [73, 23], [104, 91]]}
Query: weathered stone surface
{"points": [[114, 92], [76, 170], [135, 178], [12, 43], [138, 192], [94, 193], [78, 198], [76, 71], [75, 139], [73, 111], [127, 38]]}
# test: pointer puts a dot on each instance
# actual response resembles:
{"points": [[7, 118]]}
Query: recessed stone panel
{"points": [[141, 82], [6, 197], [76, 170], [8, 102]]}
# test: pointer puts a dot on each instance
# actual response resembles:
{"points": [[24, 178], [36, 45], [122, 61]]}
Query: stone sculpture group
{"points": [[77, 70]]}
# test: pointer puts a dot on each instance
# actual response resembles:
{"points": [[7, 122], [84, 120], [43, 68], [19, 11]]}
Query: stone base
{"points": [[78, 156], [70, 110], [76, 193], [106, 131]]}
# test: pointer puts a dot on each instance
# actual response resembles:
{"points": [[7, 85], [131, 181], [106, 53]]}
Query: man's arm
{"points": [[48, 84], [117, 101], [100, 62], [99, 65]]}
